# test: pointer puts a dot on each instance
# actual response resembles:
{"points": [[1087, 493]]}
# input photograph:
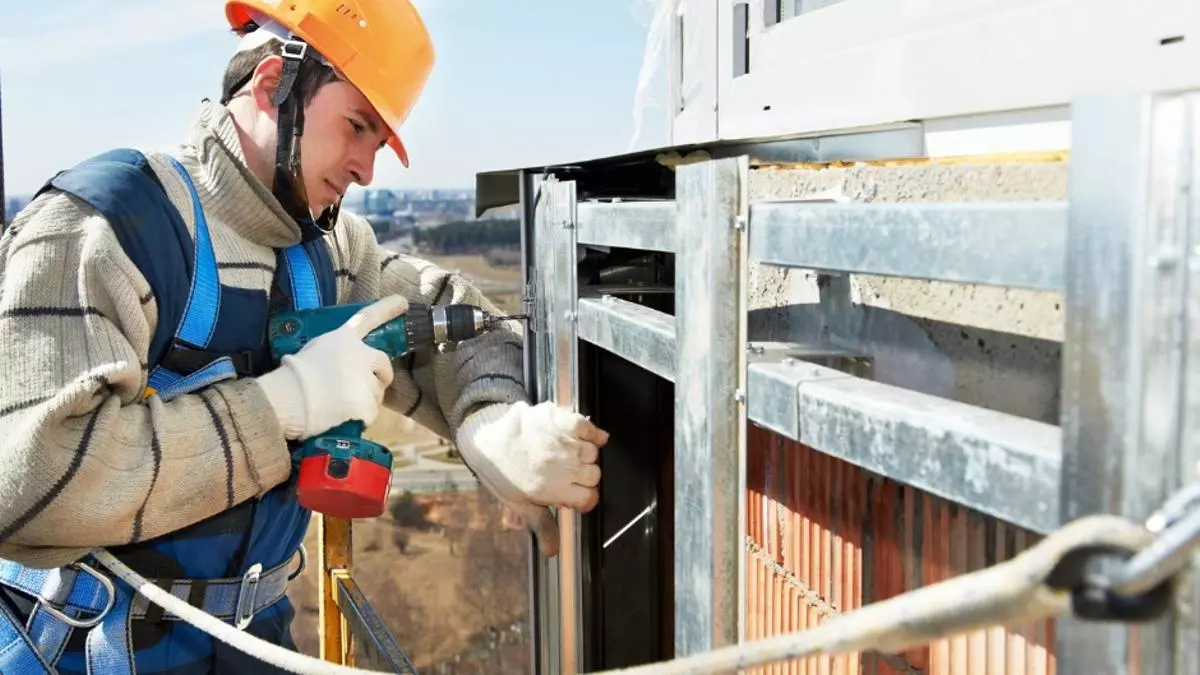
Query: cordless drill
{"points": [[341, 473]]}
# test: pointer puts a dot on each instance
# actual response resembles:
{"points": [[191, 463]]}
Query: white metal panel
{"points": [[1029, 130], [869, 62]]}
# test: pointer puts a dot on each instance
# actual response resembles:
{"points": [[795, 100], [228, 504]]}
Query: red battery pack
{"points": [[343, 488]]}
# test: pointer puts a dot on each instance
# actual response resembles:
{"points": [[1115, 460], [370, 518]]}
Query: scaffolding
{"points": [[636, 276]]}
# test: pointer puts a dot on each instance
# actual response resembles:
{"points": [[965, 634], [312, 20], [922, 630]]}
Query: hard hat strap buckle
{"points": [[294, 49], [293, 53]]}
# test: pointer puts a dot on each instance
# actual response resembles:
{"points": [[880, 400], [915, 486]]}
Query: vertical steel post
{"points": [[1130, 355], [709, 352], [540, 593], [557, 357]]}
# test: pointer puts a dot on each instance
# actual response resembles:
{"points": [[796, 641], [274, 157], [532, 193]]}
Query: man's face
{"points": [[342, 134]]}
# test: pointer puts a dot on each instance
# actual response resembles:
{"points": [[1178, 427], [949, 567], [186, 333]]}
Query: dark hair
{"points": [[313, 74]]}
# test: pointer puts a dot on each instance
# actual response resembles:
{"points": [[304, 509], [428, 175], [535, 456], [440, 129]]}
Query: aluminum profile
{"points": [[707, 551], [648, 226], [1001, 244], [1130, 409], [977, 457], [643, 336]]}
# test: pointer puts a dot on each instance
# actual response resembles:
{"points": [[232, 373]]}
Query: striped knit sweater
{"points": [[84, 463]]}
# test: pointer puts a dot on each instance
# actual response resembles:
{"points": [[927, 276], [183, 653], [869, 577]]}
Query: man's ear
{"points": [[264, 81]]}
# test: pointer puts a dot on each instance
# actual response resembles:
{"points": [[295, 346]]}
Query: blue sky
{"points": [[517, 82]]}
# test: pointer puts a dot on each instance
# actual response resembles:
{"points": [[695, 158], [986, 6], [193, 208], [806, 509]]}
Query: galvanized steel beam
{"points": [[1131, 407], [648, 226], [1020, 245], [995, 463], [638, 334], [709, 428], [557, 227]]}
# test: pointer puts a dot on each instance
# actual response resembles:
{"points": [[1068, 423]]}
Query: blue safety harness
{"points": [[235, 565]]}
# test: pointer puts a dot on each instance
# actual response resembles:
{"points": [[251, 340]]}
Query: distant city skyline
{"points": [[517, 83]]}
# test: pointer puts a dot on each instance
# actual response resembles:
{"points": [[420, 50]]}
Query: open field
{"points": [[438, 584]]}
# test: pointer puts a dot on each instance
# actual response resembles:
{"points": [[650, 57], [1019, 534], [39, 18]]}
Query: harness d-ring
{"points": [[303, 563], [95, 620]]}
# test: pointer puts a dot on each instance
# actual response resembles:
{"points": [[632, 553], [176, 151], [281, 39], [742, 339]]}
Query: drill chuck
{"points": [[455, 323]]}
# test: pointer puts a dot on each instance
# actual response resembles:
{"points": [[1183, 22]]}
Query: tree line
{"points": [[469, 236]]}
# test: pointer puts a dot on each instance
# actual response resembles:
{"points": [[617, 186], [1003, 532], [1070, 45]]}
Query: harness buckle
{"points": [[105, 582], [244, 611]]}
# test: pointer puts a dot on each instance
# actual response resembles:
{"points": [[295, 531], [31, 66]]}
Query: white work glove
{"points": [[533, 457], [334, 378]]}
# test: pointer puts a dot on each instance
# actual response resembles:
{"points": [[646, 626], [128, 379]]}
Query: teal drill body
{"points": [[290, 331]]}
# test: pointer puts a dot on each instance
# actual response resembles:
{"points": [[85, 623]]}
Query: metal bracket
{"points": [[245, 610], [848, 361]]}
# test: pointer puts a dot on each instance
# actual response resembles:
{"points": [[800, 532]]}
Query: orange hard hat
{"points": [[380, 46]]}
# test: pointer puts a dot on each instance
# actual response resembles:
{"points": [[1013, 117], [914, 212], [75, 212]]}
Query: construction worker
{"points": [[139, 408]]}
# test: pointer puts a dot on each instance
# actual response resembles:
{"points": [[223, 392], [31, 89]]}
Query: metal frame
{"points": [[1120, 240], [864, 63], [375, 645], [1129, 372], [553, 283], [710, 331], [351, 630]]}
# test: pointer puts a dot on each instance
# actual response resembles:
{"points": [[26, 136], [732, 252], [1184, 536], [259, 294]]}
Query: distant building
{"points": [[13, 205]]}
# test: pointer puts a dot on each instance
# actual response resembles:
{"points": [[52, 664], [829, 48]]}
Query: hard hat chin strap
{"points": [[289, 177]]}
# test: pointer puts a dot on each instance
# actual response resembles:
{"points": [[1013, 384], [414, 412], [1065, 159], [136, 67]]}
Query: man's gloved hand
{"points": [[532, 457], [336, 377]]}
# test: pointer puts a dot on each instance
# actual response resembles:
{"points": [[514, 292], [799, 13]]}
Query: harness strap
{"points": [[235, 599], [88, 597], [18, 654], [91, 599], [199, 315], [306, 291]]}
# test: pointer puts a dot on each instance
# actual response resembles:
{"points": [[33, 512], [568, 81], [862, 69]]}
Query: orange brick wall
{"points": [[825, 536]]}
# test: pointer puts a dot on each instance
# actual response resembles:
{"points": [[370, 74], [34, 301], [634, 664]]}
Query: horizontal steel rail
{"points": [[977, 457], [376, 643], [646, 226], [636, 333], [999, 244], [1001, 465]]}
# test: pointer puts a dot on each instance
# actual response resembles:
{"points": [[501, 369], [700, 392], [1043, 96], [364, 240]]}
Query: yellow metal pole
{"points": [[336, 544], [568, 594]]}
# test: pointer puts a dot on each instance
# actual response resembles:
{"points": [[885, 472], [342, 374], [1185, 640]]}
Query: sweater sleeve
{"points": [[437, 389], [84, 461]]}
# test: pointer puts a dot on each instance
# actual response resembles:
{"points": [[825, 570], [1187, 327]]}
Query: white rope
{"points": [[1004, 594], [280, 657]]}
